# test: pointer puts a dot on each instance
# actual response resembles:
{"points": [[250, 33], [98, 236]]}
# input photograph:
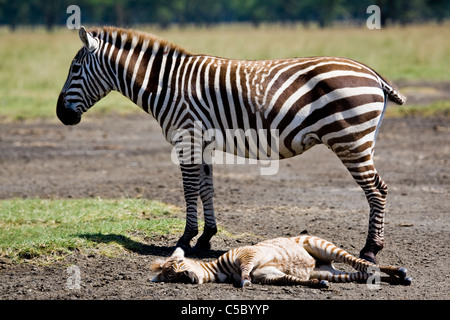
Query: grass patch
{"points": [[411, 53], [434, 109], [43, 230], [34, 64]]}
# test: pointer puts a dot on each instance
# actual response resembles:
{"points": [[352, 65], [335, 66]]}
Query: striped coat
{"points": [[303, 260]]}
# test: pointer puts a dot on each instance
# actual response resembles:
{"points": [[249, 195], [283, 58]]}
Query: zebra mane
{"points": [[103, 32]]}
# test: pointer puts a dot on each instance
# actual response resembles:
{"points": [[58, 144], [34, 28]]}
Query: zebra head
{"points": [[86, 83], [175, 269]]}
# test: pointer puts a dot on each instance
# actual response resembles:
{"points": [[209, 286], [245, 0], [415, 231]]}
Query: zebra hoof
{"points": [[323, 284], [368, 256], [185, 246], [245, 283], [407, 281], [402, 273], [318, 284], [201, 247]]}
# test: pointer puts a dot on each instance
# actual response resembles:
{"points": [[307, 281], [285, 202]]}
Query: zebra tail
{"points": [[392, 93]]}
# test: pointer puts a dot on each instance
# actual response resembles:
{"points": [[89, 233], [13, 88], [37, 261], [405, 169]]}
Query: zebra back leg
{"points": [[376, 191], [328, 273], [358, 159], [326, 252], [353, 141], [206, 194]]}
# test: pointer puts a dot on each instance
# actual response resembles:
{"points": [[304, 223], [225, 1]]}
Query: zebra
{"points": [[334, 101], [303, 260]]}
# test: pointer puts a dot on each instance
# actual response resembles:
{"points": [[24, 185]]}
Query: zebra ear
{"points": [[88, 40], [157, 265]]}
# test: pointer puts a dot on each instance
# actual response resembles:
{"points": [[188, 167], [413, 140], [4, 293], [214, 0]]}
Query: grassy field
{"points": [[34, 64], [45, 230]]}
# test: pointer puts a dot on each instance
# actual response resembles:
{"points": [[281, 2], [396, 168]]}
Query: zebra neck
{"points": [[209, 271], [223, 269], [148, 77]]}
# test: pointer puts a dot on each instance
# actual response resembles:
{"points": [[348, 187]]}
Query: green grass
{"points": [[413, 52], [34, 64], [434, 109], [45, 230]]}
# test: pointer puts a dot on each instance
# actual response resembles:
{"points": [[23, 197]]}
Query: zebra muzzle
{"points": [[67, 114], [188, 277]]}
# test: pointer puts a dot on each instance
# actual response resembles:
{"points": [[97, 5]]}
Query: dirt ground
{"points": [[128, 157]]}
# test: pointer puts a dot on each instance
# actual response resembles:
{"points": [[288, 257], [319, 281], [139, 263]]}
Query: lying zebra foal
{"points": [[303, 260]]}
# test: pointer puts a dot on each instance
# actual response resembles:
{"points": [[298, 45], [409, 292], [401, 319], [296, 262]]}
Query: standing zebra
{"points": [[334, 101]]}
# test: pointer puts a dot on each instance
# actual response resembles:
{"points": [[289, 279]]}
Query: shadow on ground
{"points": [[142, 248]]}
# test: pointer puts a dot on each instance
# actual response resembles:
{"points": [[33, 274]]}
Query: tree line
{"points": [[125, 13]]}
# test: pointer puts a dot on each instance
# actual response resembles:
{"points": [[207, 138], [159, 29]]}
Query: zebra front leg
{"points": [[288, 280], [191, 177], [246, 265], [376, 192], [206, 194]]}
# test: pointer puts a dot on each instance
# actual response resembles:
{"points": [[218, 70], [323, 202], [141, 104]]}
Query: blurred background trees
{"points": [[127, 13]]}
